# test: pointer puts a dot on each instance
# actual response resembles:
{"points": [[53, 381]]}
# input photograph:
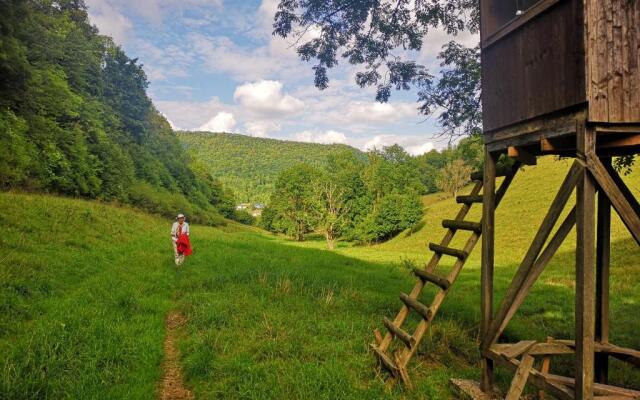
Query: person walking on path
{"points": [[180, 238]]}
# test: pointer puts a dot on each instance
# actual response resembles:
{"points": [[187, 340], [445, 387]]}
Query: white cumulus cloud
{"points": [[221, 122], [359, 111], [326, 137], [267, 98], [261, 128], [109, 20], [420, 149], [414, 145], [191, 114]]}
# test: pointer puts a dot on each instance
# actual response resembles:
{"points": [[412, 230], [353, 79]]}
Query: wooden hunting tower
{"points": [[544, 61], [558, 77], [561, 77]]}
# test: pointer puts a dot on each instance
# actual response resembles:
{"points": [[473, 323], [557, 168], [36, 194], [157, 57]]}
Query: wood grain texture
{"points": [[613, 75], [585, 270], [621, 199], [499, 321], [573, 53], [487, 261], [603, 256], [536, 69], [544, 369], [558, 390], [520, 379], [430, 267]]}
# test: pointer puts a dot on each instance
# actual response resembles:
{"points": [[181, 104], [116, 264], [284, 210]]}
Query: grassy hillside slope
{"points": [[85, 288], [549, 308], [250, 165], [517, 218], [83, 291]]}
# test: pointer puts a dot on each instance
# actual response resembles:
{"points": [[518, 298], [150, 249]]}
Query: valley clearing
{"points": [[91, 301]]}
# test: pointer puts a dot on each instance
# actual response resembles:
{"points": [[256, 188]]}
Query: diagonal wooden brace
{"points": [[536, 269], [520, 378], [626, 207], [498, 323]]}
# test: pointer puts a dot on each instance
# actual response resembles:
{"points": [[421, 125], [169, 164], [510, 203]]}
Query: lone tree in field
{"points": [[453, 177], [333, 208], [295, 202], [382, 37]]}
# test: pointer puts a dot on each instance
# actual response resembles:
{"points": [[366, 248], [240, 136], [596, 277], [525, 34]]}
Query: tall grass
{"points": [[83, 293], [272, 321], [84, 289]]}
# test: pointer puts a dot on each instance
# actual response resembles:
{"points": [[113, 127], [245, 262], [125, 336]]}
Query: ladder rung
{"points": [[399, 333], [463, 225], [386, 361], [424, 311], [468, 199], [448, 251], [503, 171], [433, 278]]}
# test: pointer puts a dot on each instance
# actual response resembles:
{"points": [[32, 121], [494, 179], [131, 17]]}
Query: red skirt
{"points": [[183, 244]]}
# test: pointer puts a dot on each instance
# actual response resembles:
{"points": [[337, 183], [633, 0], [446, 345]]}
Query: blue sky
{"points": [[214, 65]]}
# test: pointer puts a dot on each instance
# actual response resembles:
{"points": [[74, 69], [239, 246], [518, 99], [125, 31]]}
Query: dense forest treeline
{"points": [[75, 118], [368, 199], [249, 166], [362, 200]]}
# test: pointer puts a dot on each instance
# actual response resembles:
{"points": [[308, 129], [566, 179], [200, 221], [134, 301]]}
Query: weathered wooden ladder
{"points": [[397, 363]]}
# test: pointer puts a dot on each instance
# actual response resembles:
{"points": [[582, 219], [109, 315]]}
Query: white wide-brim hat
{"points": [[180, 216]]}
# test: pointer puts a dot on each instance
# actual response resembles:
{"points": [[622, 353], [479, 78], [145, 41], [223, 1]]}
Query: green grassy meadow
{"points": [[85, 288]]}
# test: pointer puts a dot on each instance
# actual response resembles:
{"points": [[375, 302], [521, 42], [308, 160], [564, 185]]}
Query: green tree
{"points": [[75, 117], [391, 170], [470, 150], [454, 176], [379, 36], [266, 222], [295, 201], [250, 166], [428, 166], [16, 152], [346, 170], [333, 207], [394, 213]]}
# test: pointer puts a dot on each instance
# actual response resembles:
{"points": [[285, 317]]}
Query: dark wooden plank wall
{"points": [[613, 40], [495, 14], [536, 69]]}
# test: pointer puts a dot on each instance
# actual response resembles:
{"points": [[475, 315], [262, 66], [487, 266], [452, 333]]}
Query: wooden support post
{"points": [[603, 249], [544, 370], [486, 278], [585, 269]]}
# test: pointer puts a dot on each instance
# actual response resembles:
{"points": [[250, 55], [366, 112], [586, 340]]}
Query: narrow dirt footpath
{"points": [[172, 386]]}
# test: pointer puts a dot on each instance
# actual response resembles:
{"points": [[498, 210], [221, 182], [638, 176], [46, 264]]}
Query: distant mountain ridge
{"points": [[249, 165]]}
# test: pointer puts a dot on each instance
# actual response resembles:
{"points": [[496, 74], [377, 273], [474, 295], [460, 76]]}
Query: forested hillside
{"points": [[75, 118], [249, 166]]}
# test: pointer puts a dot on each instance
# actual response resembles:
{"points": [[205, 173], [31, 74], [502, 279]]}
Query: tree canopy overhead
{"points": [[380, 36]]}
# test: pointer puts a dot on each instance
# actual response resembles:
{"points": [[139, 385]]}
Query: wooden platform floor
{"points": [[470, 390]]}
